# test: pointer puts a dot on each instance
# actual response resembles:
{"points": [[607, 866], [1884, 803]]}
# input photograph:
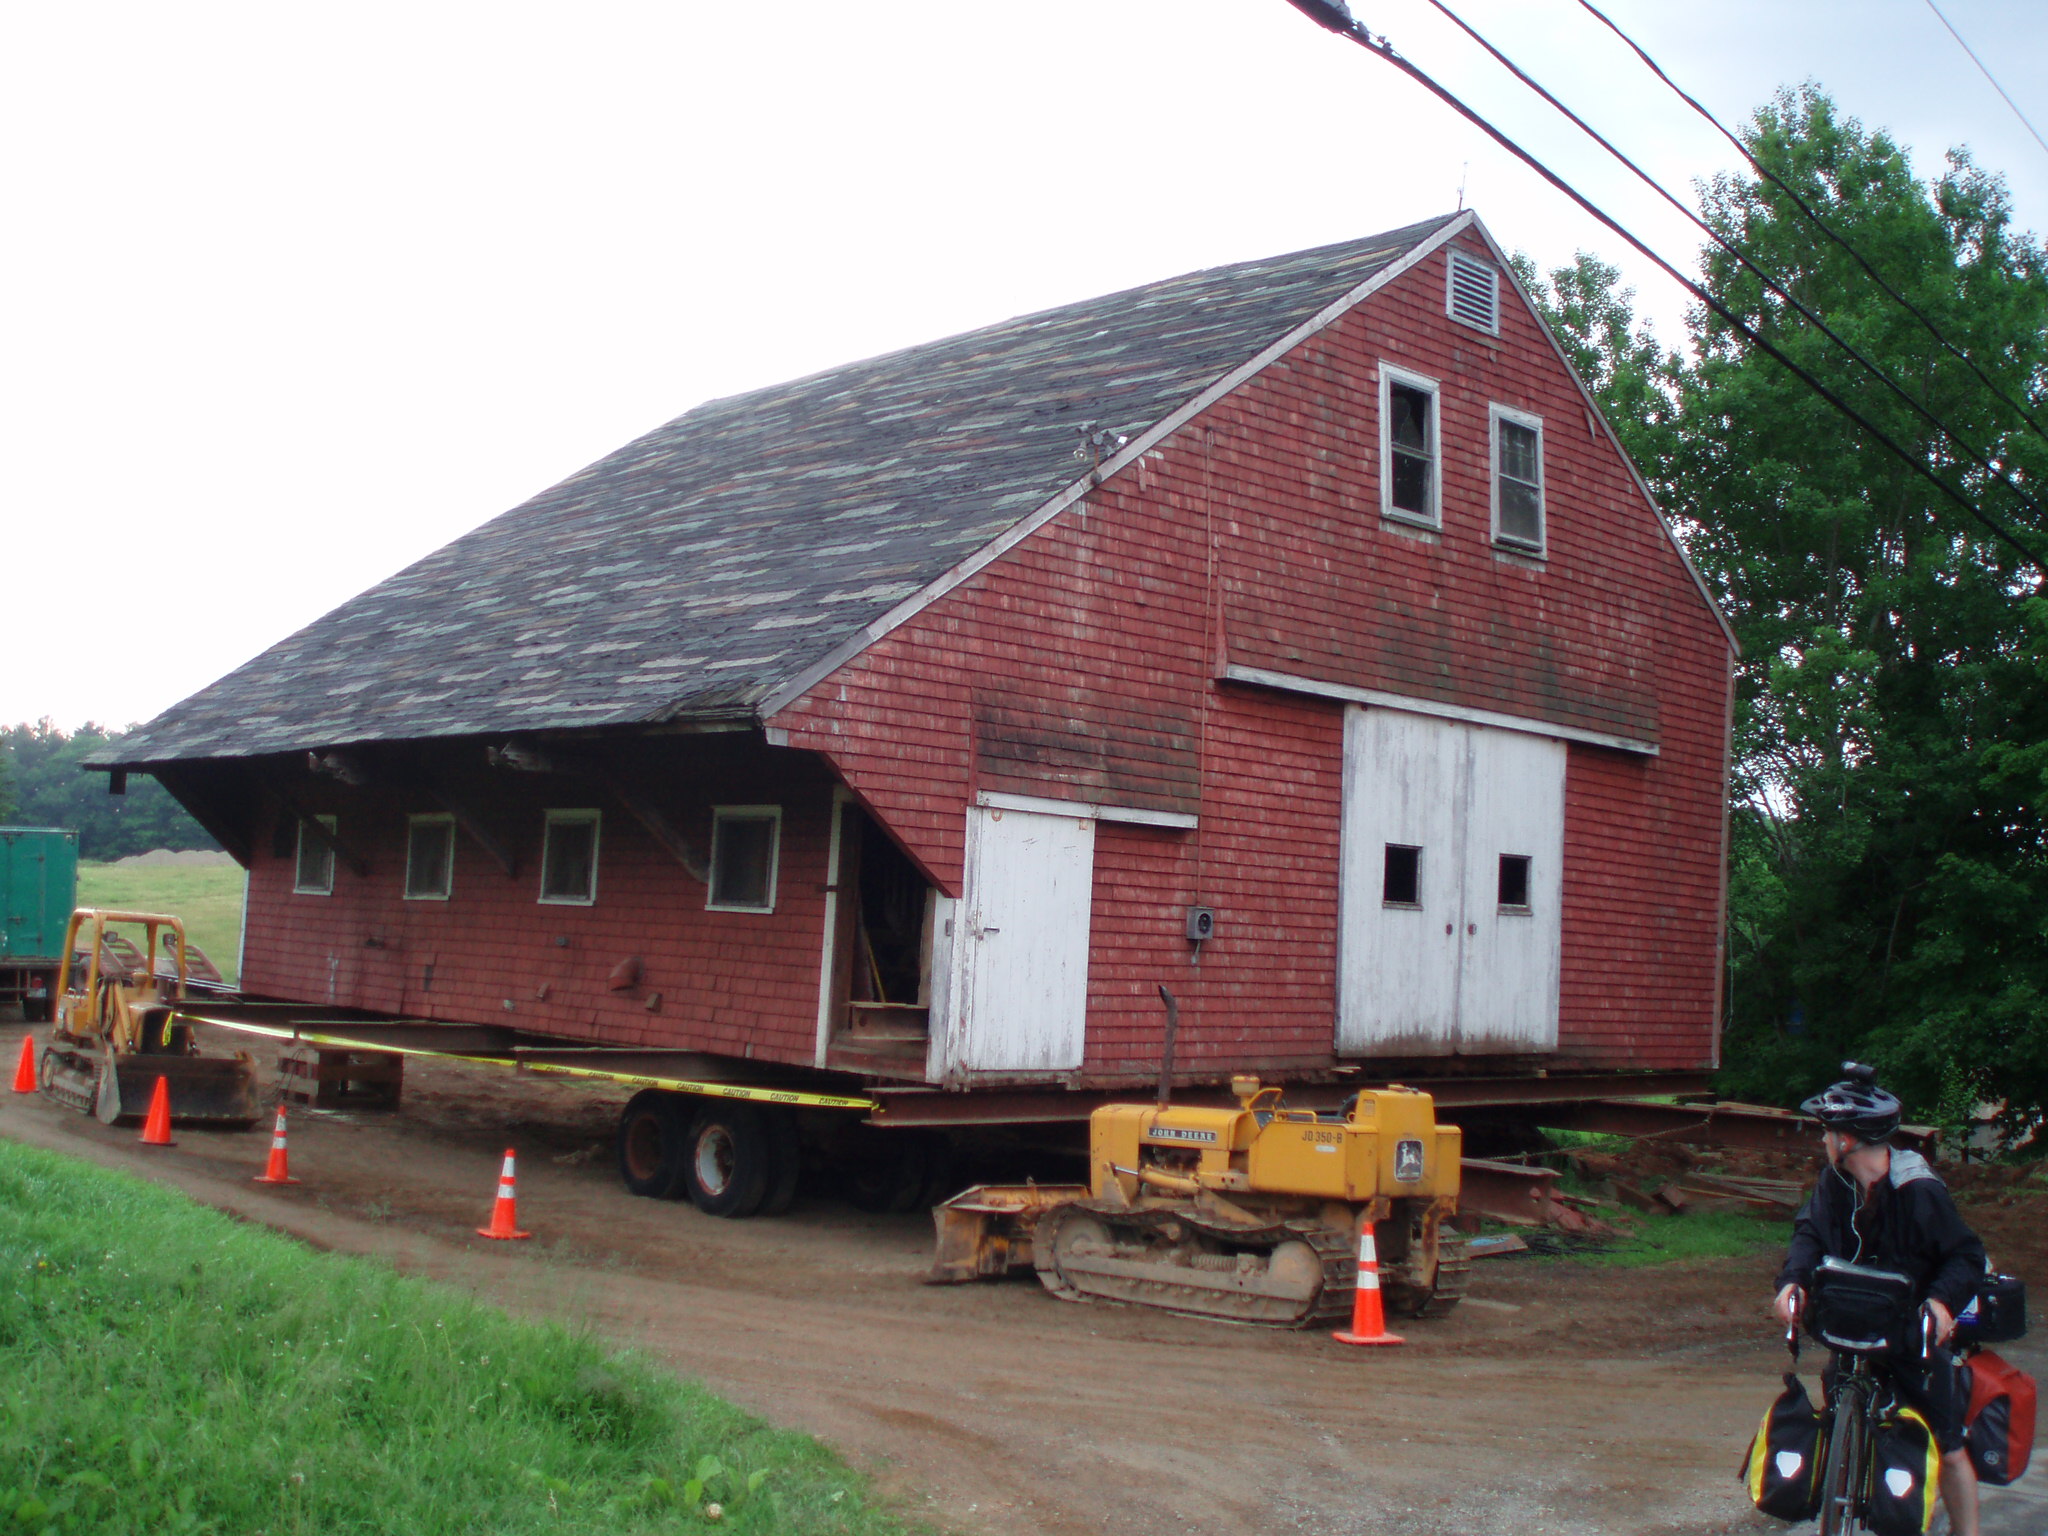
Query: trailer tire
{"points": [[731, 1154], [891, 1171], [786, 1149], [653, 1144]]}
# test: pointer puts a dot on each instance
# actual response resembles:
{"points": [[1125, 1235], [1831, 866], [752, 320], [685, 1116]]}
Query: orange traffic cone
{"points": [[276, 1171], [25, 1069], [1368, 1316], [505, 1213], [156, 1130]]}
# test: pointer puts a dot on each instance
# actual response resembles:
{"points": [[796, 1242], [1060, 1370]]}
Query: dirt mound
{"points": [[157, 858]]}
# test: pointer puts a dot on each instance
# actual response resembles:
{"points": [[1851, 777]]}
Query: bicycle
{"points": [[1859, 1313]]}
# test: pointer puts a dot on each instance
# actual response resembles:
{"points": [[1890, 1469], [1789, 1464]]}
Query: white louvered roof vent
{"points": [[1474, 293]]}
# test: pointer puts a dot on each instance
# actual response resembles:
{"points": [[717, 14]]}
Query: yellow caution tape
{"points": [[558, 1069]]}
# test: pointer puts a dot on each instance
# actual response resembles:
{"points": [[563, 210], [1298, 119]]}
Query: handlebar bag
{"points": [[1783, 1467], [1860, 1309], [1997, 1314], [1905, 1468], [1998, 1424]]}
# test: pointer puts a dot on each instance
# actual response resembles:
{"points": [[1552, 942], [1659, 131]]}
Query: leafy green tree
{"points": [[1889, 868], [54, 789]]}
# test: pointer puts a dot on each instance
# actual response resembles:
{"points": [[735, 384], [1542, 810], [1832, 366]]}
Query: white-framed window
{"points": [[1401, 884], [1472, 292], [746, 846], [429, 857], [313, 874], [568, 859], [1517, 452], [1514, 883], [1409, 468]]}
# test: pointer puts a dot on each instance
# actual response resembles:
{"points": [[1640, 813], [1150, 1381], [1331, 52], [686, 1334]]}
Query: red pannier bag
{"points": [[1998, 1424]]}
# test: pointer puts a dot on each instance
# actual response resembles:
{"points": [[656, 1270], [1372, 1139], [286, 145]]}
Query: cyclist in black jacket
{"points": [[1884, 1206]]}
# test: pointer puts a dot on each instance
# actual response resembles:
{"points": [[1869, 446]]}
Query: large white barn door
{"points": [[1021, 942], [1398, 952], [1514, 847], [1444, 825]]}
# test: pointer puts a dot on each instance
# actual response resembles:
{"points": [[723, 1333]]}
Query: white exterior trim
{"points": [[1180, 821], [299, 888], [720, 815], [447, 891], [552, 818], [1496, 413], [1390, 375], [841, 798], [1139, 445], [1285, 682]]}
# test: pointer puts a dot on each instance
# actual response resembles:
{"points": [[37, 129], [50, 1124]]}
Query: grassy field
{"points": [[208, 897], [167, 1369]]}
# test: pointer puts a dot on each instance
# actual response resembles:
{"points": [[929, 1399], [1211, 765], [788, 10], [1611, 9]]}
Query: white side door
{"points": [[1020, 942], [1397, 950], [1514, 847]]}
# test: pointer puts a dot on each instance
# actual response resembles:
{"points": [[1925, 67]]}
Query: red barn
{"points": [[1294, 635]]}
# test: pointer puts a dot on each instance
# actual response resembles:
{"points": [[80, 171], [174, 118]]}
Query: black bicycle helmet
{"points": [[1856, 1105]]}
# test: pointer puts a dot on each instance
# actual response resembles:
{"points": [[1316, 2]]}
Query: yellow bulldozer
{"points": [[116, 1028], [1250, 1215]]}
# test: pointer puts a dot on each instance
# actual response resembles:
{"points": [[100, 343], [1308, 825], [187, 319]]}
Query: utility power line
{"points": [[1985, 70], [1800, 202], [1983, 460], [1332, 15]]}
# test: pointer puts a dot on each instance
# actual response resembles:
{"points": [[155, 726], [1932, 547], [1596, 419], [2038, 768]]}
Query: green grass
{"points": [[166, 1369], [1661, 1239], [208, 897]]}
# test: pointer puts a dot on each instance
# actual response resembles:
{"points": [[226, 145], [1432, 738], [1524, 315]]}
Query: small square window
{"points": [[429, 858], [314, 875], [1402, 883], [745, 842], [1514, 881], [1517, 479], [568, 859], [1409, 488]]}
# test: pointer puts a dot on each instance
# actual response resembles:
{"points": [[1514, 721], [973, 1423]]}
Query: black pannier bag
{"points": [[1905, 1470], [1859, 1309], [1784, 1464], [1998, 1423], [1997, 1314]]}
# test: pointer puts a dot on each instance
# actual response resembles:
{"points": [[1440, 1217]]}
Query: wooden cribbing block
{"points": [[330, 1079]]}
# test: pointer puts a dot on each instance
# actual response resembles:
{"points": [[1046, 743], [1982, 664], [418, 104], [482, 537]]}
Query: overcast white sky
{"points": [[291, 295]]}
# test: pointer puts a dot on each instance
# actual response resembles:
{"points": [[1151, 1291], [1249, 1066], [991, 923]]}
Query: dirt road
{"points": [[1560, 1399]]}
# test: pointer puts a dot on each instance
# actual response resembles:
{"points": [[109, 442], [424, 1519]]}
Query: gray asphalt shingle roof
{"points": [[702, 565]]}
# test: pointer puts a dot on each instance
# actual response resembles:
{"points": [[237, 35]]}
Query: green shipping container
{"points": [[38, 889]]}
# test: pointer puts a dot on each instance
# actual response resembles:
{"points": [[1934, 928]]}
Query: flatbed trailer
{"points": [[891, 1137]]}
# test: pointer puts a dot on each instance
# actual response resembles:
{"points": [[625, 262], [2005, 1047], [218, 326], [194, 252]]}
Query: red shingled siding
{"points": [[1107, 624], [741, 983]]}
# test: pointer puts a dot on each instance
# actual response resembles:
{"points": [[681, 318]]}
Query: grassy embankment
{"points": [[164, 1368], [207, 896]]}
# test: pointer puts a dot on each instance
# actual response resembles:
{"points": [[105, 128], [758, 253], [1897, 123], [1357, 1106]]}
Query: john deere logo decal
{"points": [[1408, 1161], [1182, 1133]]}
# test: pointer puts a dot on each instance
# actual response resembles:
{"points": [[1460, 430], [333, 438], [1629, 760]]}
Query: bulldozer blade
{"points": [[205, 1090], [986, 1231]]}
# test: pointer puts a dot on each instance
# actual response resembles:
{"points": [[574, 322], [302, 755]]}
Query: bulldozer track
{"points": [[1453, 1274], [1165, 1275]]}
